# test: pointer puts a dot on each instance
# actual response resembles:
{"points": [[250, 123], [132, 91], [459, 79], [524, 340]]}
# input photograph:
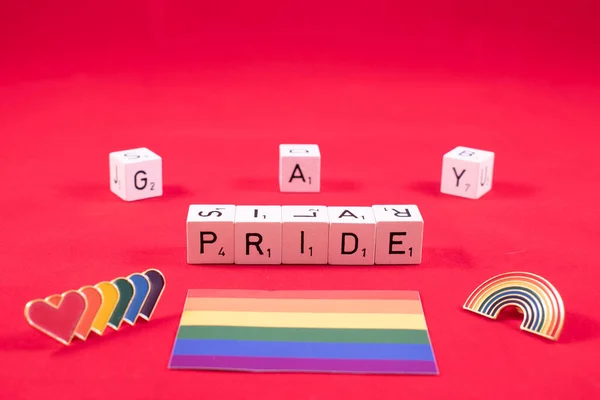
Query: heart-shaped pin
{"points": [[57, 321], [157, 286], [93, 298]]}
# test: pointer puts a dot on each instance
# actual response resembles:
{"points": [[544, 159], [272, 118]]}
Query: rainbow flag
{"points": [[367, 332]]}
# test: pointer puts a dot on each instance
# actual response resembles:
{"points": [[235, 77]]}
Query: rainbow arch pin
{"points": [[542, 307]]}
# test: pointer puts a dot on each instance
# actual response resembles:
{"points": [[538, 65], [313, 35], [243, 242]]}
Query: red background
{"points": [[385, 88]]}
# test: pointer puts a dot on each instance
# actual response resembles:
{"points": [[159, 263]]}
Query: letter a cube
{"points": [[299, 168], [467, 172], [136, 174], [399, 238], [210, 233], [351, 236]]}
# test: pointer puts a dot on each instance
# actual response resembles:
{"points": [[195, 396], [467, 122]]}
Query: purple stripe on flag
{"points": [[264, 364]]}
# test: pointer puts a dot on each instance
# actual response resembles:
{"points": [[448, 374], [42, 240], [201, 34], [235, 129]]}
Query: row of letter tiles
{"points": [[229, 234]]}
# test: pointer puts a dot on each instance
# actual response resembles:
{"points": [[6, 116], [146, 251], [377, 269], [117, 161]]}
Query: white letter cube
{"points": [[257, 235], [467, 172], [399, 238], [305, 235], [299, 168], [136, 174], [351, 236], [210, 231]]}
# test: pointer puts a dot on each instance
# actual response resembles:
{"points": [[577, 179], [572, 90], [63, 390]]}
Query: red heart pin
{"points": [[57, 321]]}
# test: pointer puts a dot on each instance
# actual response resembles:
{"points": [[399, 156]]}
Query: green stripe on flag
{"points": [[304, 334]]}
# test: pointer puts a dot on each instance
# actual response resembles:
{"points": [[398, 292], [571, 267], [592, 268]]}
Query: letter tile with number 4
{"points": [[467, 172], [136, 174], [305, 235], [351, 236], [257, 237], [299, 168], [210, 233], [399, 237]]}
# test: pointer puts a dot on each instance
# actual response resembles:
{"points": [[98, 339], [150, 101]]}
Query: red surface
{"points": [[385, 88]]}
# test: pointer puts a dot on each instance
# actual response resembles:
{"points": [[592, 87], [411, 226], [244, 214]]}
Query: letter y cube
{"points": [[467, 172]]}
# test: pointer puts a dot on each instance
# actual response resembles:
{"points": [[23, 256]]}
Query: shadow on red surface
{"points": [[503, 189]]}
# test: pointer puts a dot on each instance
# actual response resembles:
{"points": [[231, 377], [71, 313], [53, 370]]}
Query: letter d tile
{"points": [[351, 236]]}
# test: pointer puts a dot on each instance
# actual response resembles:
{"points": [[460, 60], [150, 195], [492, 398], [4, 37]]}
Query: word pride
{"points": [[229, 234]]}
